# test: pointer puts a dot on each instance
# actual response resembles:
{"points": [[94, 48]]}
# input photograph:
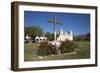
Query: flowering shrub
{"points": [[67, 46], [46, 49]]}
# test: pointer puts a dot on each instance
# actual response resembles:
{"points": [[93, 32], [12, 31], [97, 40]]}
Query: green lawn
{"points": [[81, 52]]}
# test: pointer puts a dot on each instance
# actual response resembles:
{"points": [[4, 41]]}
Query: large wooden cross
{"points": [[54, 21]]}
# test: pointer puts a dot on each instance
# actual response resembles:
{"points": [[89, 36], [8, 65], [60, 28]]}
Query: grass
{"points": [[81, 52], [83, 49], [30, 51]]}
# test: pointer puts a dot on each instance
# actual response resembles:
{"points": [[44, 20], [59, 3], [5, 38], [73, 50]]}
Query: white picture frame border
{"points": [[23, 64]]}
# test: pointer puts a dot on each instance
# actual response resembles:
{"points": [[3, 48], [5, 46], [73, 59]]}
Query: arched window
{"points": [[43, 39], [37, 39]]}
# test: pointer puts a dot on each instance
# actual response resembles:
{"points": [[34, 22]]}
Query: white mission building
{"points": [[63, 36], [40, 39]]}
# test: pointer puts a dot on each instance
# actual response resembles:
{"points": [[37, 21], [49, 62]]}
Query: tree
{"points": [[33, 31], [49, 36]]}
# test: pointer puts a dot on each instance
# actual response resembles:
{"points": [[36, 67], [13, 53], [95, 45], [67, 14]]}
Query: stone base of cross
{"points": [[57, 45]]}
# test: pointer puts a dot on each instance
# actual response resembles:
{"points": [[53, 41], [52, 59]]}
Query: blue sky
{"points": [[78, 23]]}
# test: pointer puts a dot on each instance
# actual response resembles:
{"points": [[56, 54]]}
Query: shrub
{"points": [[46, 49], [68, 46]]}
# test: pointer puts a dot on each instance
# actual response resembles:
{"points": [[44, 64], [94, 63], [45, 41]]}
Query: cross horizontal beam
{"points": [[52, 21]]}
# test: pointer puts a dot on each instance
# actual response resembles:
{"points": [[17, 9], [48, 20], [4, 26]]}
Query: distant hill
{"points": [[82, 37]]}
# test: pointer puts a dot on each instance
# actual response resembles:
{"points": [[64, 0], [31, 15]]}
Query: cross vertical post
{"points": [[55, 28], [54, 21]]}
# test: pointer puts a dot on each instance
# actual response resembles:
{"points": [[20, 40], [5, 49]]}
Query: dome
{"points": [[36, 37], [41, 37]]}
